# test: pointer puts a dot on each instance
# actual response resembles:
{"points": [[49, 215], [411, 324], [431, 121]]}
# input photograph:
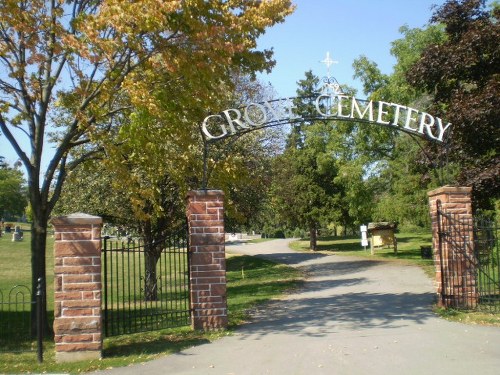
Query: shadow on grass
{"points": [[155, 344], [341, 247], [333, 244], [15, 330]]}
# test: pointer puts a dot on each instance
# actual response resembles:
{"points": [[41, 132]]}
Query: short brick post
{"points": [[453, 271], [205, 213], [77, 287]]}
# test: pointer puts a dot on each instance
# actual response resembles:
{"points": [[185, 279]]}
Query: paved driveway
{"points": [[353, 316]]}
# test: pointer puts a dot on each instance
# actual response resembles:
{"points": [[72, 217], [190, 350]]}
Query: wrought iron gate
{"points": [[470, 261], [145, 285]]}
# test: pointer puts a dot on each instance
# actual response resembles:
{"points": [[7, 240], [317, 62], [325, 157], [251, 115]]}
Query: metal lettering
{"points": [[318, 109], [232, 121], [381, 112], [396, 113], [409, 118], [340, 106], [207, 133], [427, 122], [368, 108], [263, 115], [441, 129], [328, 106]]}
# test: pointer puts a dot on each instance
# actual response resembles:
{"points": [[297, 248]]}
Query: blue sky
{"points": [[345, 28]]}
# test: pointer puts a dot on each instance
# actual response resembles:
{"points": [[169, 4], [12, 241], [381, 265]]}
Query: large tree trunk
{"points": [[150, 280], [153, 247]]}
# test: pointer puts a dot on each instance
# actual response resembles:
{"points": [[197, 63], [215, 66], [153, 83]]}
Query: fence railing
{"points": [[16, 305], [470, 262], [487, 253], [145, 285]]}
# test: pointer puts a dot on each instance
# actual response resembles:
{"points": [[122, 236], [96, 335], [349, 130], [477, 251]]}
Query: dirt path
{"points": [[353, 316]]}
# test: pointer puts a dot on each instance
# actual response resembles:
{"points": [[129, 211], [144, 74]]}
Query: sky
{"points": [[346, 29]]}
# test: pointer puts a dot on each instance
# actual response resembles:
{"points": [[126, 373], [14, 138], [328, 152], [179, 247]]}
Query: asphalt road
{"points": [[352, 316]]}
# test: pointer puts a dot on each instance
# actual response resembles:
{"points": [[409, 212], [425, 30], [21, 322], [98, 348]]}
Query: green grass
{"points": [[408, 248], [476, 317], [15, 260], [250, 281]]}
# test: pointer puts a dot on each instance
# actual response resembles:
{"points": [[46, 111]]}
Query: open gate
{"points": [[145, 285], [470, 261]]}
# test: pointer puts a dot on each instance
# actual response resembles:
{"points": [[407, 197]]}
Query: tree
{"points": [[402, 185], [242, 165], [12, 191], [143, 182], [70, 72], [303, 188], [462, 75], [402, 168], [92, 188]]}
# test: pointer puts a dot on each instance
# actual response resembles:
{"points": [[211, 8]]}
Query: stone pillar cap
{"points": [[76, 218], [450, 189]]}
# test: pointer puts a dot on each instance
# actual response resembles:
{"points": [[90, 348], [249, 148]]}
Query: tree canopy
{"points": [[72, 71], [462, 75], [12, 191]]}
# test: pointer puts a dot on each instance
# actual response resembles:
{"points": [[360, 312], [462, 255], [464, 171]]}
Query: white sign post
{"points": [[364, 239]]}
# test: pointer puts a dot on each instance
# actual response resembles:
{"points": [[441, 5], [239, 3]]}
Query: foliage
{"points": [[463, 76], [241, 166], [12, 191], [71, 71], [402, 187], [91, 189], [303, 190], [402, 168]]}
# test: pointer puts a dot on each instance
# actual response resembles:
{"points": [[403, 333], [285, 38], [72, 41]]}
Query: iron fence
{"points": [[145, 285], [487, 253], [470, 271], [15, 320]]}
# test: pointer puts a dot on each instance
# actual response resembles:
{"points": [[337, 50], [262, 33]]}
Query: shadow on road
{"points": [[334, 298]]}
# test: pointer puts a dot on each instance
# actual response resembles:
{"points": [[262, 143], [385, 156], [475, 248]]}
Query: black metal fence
{"points": [[472, 270], [15, 320], [145, 285], [487, 253]]}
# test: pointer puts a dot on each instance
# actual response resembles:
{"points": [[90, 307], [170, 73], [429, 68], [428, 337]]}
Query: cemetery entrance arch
{"points": [[330, 104]]}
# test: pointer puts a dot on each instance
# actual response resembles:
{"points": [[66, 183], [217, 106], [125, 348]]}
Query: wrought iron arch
{"points": [[328, 105]]}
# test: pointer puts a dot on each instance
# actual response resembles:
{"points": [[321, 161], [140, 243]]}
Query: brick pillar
{"points": [[205, 213], [455, 271], [77, 287]]}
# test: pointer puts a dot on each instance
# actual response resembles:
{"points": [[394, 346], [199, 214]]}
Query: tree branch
{"points": [[12, 140]]}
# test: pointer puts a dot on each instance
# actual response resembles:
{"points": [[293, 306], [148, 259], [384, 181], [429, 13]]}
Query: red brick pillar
{"points": [[455, 271], [205, 213], [77, 287]]}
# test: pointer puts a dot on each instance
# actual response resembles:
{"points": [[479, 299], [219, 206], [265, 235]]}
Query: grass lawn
{"points": [[15, 260], [250, 281]]}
